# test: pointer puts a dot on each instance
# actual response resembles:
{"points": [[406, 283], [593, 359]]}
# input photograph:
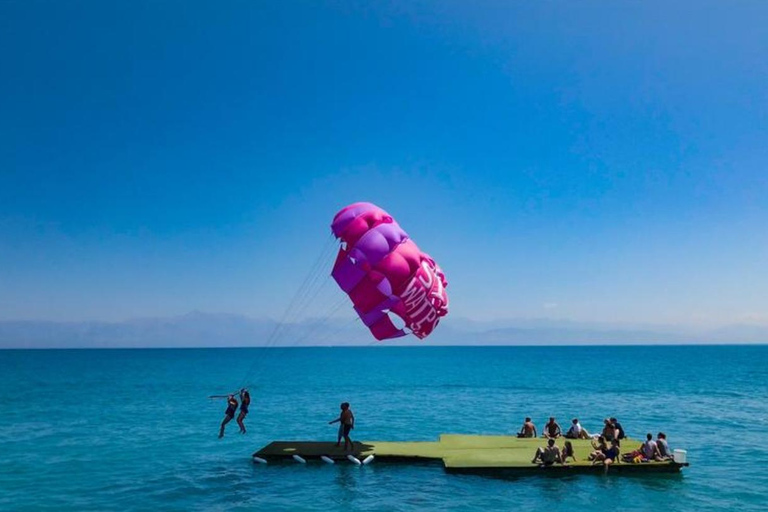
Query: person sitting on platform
{"points": [[599, 447], [528, 429], [609, 430], [608, 456], [552, 429], [620, 434], [547, 455], [576, 431], [228, 414], [567, 452], [650, 449], [245, 402], [663, 446]]}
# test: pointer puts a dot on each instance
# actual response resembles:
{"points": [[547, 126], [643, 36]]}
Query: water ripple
{"points": [[133, 430]]}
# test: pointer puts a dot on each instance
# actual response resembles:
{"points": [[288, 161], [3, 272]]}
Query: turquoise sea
{"points": [[134, 429]]}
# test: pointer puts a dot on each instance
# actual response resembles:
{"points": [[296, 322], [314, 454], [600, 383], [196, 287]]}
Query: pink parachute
{"points": [[384, 273]]}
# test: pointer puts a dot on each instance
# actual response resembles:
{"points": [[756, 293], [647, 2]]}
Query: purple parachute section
{"points": [[384, 273]]}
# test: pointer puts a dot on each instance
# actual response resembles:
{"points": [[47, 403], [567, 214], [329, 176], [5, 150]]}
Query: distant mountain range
{"points": [[225, 330]]}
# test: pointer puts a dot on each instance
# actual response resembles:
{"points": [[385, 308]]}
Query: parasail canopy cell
{"points": [[385, 273]]}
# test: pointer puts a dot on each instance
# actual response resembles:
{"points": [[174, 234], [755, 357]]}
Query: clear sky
{"points": [[602, 161]]}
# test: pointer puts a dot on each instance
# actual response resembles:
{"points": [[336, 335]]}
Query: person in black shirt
{"points": [[620, 434], [228, 414], [245, 401], [552, 429]]}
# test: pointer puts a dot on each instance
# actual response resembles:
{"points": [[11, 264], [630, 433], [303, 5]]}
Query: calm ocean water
{"points": [[134, 430]]}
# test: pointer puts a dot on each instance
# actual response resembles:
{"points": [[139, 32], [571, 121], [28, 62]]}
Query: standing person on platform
{"points": [[347, 420]]}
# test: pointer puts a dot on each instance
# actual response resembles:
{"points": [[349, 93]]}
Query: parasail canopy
{"points": [[385, 273]]}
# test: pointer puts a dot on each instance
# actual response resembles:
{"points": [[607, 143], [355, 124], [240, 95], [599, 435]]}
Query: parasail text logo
{"points": [[383, 271], [425, 299]]}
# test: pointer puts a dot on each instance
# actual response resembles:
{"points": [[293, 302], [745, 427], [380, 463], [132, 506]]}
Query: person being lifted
{"points": [[245, 401], [228, 414]]}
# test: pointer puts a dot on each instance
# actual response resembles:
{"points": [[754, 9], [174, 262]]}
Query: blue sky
{"points": [[596, 161]]}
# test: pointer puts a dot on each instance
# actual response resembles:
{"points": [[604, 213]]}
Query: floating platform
{"points": [[474, 454]]}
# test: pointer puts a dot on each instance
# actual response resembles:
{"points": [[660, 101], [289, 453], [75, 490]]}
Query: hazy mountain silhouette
{"points": [[198, 329]]}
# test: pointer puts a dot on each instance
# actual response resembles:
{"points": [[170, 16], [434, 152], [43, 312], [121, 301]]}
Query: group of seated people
{"points": [[606, 445], [551, 454], [612, 430], [657, 450]]}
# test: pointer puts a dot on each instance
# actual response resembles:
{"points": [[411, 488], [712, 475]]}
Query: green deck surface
{"points": [[462, 453]]}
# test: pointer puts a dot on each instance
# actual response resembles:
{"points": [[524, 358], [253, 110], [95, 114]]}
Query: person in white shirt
{"points": [[577, 431], [650, 449]]}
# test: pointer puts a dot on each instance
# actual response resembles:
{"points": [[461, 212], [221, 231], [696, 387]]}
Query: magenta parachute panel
{"points": [[385, 273]]}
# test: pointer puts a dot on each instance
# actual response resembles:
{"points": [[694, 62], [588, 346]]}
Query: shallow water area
{"points": [[134, 429]]}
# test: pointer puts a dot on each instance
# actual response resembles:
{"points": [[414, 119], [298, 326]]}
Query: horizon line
{"points": [[409, 346]]}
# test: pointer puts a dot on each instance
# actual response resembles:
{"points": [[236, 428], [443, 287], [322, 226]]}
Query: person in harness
{"points": [[228, 414], [245, 401]]}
